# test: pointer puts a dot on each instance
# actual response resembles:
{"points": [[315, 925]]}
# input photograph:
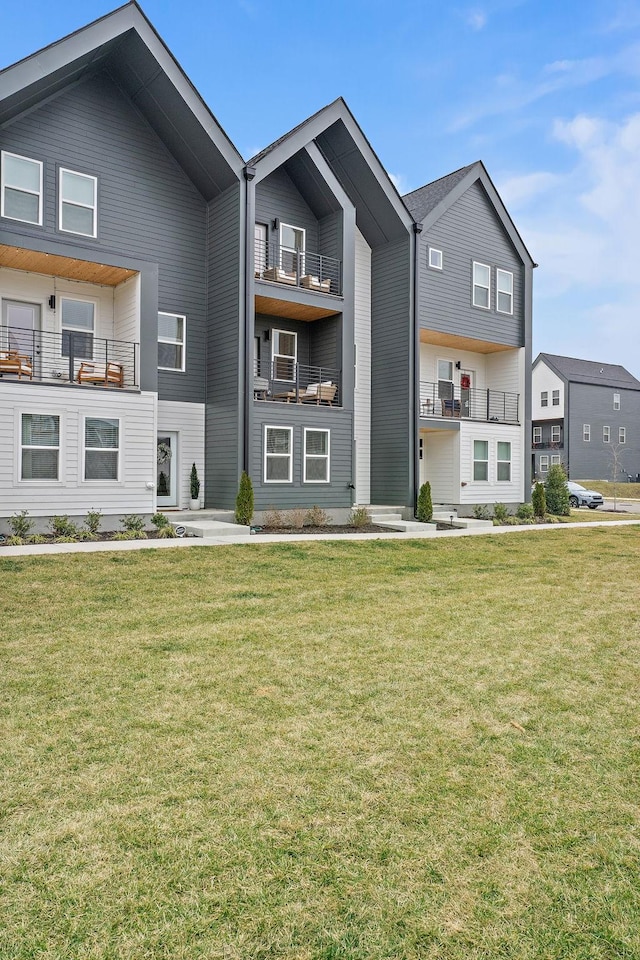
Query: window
{"points": [[292, 247], [504, 461], [101, 448], [616, 401], [481, 285], [555, 461], [278, 454], [622, 434], [606, 434], [537, 434], [171, 341], [504, 291], [480, 459], [586, 432], [40, 446], [555, 398], [78, 324], [445, 379], [77, 213], [316, 456], [544, 398], [435, 258], [21, 188], [555, 433], [544, 464], [285, 352]]}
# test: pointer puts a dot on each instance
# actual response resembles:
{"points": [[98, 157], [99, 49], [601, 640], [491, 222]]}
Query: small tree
{"points": [[194, 483], [424, 511], [244, 500], [556, 492], [538, 500]]}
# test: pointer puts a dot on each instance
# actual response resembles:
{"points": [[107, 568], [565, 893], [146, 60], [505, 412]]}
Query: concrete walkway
{"points": [[429, 533]]}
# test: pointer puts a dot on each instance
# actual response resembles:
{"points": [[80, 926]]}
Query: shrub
{"points": [[14, 541], [159, 520], [424, 511], [359, 517], [126, 535], [317, 517], [525, 511], [132, 523], [167, 532], [480, 512], [539, 500], [274, 518], [500, 512], [244, 500], [20, 525], [194, 483], [296, 518], [92, 521], [37, 538], [65, 538], [556, 492], [63, 527]]}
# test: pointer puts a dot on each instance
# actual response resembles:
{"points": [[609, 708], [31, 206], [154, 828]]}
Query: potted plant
{"points": [[194, 482]]}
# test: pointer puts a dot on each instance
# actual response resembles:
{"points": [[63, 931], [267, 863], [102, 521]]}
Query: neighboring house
{"points": [[474, 280], [585, 416], [164, 302]]}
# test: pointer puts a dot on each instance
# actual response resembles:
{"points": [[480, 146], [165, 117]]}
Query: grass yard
{"points": [[338, 750]]}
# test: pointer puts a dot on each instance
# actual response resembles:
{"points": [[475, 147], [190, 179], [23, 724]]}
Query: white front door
{"points": [[22, 329], [167, 473]]}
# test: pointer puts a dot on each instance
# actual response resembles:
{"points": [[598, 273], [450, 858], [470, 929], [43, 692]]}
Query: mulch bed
{"points": [[330, 528]]}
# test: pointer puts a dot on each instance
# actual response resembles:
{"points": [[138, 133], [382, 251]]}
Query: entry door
{"points": [[467, 379], [167, 473], [22, 329], [260, 248]]}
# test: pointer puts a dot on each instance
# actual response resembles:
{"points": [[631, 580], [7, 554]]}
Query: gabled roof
{"points": [[427, 204], [125, 45], [589, 371], [381, 215]]}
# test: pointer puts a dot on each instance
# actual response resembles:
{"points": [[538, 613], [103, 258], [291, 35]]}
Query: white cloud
{"points": [[400, 183], [476, 19], [518, 191]]}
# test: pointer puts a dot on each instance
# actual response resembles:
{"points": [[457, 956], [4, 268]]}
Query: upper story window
{"points": [[555, 398], [481, 285], [78, 203], [544, 398], [622, 434], [445, 379], [435, 258], [292, 247], [21, 193], [171, 341], [616, 401], [40, 446], [555, 433], [78, 327], [606, 434], [537, 434], [285, 353], [504, 291], [586, 432]]}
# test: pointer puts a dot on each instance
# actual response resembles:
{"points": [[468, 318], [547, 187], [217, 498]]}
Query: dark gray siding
{"points": [[335, 494], [330, 242], [319, 342], [277, 197], [223, 437], [470, 230], [147, 207], [594, 405], [391, 374]]}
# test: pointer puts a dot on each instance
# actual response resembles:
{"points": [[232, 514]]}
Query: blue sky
{"points": [[546, 93]]}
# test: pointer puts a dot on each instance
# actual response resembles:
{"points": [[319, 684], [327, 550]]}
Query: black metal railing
{"points": [[548, 445], [298, 268], [286, 381], [70, 357], [446, 400]]}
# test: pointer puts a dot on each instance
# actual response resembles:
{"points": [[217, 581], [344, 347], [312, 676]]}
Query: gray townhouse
{"points": [[165, 302], [585, 416]]}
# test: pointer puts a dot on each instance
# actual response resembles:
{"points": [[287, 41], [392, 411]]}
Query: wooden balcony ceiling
{"points": [[292, 310], [54, 266], [461, 343]]}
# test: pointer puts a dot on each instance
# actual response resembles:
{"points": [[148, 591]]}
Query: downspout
{"points": [[415, 319], [246, 380]]}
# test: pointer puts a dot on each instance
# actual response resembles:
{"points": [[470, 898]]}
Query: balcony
{"points": [[285, 381], [297, 268], [443, 400], [68, 357]]}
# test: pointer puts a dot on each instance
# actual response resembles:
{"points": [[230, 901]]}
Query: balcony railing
{"points": [[297, 268], [285, 381], [445, 400], [67, 357]]}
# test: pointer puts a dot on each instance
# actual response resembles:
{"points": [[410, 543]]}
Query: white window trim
{"points": [[275, 335], [71, 329], [83, 440], [22, 446], [474, 460], [509, 292], [74, 203], [314, 456], [606, 434], [182, 343], [555, 398], [544, 398], [273, 426], [509, 461], [555, 460], [301, 253], [544, 463], [18, 156], [474, 284], [537, 434], [432, 265], [616, 401], [622, 434], [556, 433], [586, 432]]}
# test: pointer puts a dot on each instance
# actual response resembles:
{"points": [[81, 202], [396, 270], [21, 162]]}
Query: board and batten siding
{"points": [[491, 491], [362, 393], [187, 420], [71, 494], [441, 464], [469, 230]]}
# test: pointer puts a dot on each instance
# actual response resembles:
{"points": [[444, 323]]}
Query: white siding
{"points": [[187, 420], [362, 395], [71, 494], [126, 300], [441, 464], [503, 370], [491, 491], [543, 379]]}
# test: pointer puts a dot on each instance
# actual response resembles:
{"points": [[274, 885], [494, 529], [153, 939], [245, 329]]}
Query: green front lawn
{"points": [[400, 749]]}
